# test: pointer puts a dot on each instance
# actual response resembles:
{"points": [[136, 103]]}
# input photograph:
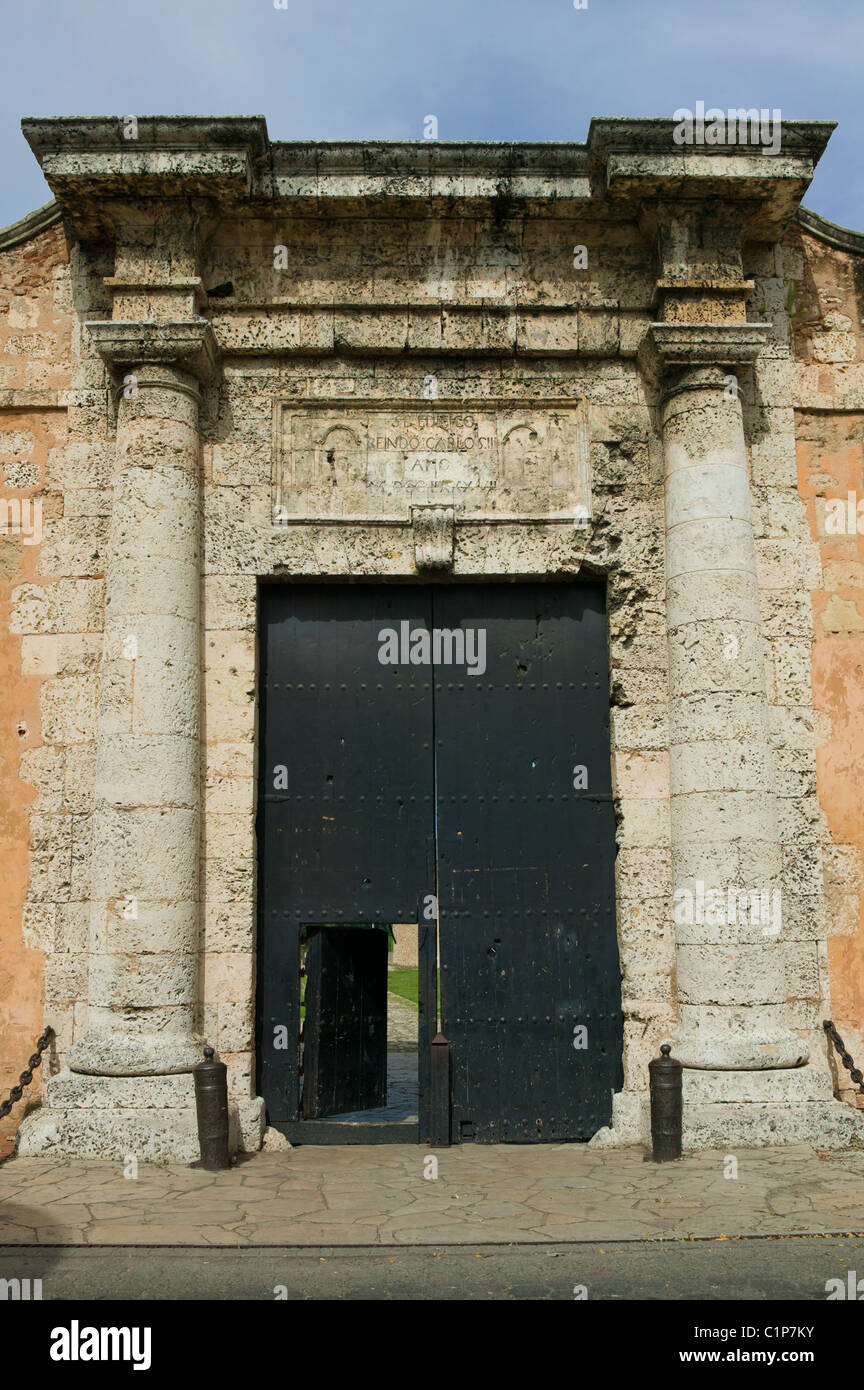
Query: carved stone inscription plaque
{"points": [[379, 459]]}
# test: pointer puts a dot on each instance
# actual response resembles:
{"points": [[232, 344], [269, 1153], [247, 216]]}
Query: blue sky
{"points": [[488, 69]]}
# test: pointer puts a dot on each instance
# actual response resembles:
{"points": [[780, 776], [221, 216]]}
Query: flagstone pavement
{"points": [[385, 1195]]}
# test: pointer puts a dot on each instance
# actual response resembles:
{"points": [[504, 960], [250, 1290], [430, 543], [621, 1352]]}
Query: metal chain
{"points": [[27, 1075], [845, 1058]]}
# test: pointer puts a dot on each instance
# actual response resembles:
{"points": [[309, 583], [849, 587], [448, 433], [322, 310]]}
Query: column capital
{"points": [[673, 347], [189, 344]]}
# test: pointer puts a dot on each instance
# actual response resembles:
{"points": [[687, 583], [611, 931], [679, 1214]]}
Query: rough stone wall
{"points": [[35, 342], [57, 617], [827, 307]]}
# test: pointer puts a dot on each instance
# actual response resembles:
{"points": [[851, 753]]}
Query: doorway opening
{"points": [[359, 1021]]}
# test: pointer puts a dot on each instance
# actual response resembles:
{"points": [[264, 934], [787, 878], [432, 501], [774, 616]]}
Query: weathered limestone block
{"points": [[754, 1126], [789, 1086], [61, 654], [644, 822], [229, 602], [79, 1092], [74, 546], [69, 605], [39, 926], [150, 1136], [68, 706], [228, 926], [43, 768]]}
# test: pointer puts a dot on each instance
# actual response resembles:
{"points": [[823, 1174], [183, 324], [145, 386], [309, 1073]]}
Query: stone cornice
{"points": [[428, 171], [165, 150], [189, 344], [30, 226], [89, 163], [842, 238], [639, 161]]}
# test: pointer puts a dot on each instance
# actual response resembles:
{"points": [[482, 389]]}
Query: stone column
{"points": [[726, 851], [144, 898], [731, 976], [144, 912]]}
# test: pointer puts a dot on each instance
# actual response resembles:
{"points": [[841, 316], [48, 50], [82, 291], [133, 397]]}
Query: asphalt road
{"points": [[747, 1269]]}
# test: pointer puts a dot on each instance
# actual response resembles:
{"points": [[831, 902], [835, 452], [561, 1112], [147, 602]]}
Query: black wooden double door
{"points": [[463, 775]]}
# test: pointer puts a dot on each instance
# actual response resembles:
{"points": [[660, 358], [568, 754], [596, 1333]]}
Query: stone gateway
{"points": [[271, 400]]}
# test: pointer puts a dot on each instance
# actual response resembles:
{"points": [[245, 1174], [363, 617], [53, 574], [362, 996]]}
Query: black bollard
{"points": [[666, 1106], [439, 1136], [211, 1102]]}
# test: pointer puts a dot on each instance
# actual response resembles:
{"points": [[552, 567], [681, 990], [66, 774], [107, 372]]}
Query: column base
{"points": [[757, 1109], [729, 1051], [631, 1122], [744, 1110], [100, 1053], [150, 1118]]}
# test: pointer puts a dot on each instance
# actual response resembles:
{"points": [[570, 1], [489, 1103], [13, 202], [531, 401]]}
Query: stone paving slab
{"points": [[484, 1194]]}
